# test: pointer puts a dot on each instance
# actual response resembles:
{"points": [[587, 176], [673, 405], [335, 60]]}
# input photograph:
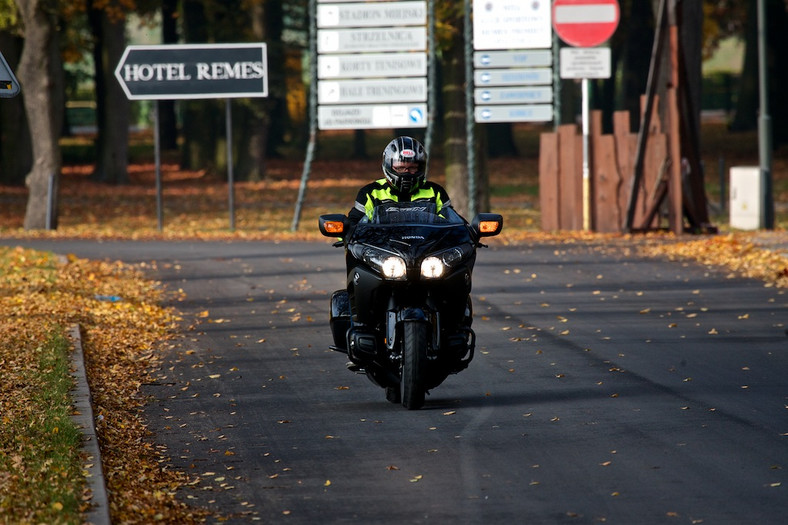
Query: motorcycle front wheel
{"points": [[414, 364]]}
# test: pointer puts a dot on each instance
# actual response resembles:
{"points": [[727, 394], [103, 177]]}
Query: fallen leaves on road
{"points": [[40, 292], [739, 253]]}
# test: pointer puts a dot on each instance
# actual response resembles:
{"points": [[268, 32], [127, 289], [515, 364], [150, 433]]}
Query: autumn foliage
{"points": [[123, 325]]}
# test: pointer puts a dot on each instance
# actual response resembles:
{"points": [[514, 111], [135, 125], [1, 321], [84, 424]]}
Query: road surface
{"points": [[605, 388]]}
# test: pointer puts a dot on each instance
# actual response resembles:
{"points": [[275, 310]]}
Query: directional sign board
{"points": [[372, 14], [193, 71], [511, 24], [374, 91], [370, 65], [511, 77], [368, 116], [512, 41], [371, 39], [520, 113], [9, 86], [521, 58], [514, 95], [585, 23]]}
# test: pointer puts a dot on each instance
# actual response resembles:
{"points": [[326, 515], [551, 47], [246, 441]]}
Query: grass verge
{"points": [[40, 468]]}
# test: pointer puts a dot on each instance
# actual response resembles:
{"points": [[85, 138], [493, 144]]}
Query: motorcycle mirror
{"points": [[487, 224], [332, 225]]}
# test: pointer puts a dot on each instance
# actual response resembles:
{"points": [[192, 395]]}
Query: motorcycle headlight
{"points": [[393, 267], [434, 266], [390, 266]]}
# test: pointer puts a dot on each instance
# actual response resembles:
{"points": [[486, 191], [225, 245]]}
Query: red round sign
{"points": [[585, 23]]}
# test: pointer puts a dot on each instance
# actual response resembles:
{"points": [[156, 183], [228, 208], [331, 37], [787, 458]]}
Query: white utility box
{"points": [[745, 198]]}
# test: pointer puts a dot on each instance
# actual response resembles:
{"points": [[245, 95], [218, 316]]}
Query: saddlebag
{"points": [[340, 319]]}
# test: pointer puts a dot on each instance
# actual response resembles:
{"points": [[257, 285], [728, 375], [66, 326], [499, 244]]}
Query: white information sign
{"points": [[373, 39], [514, 95], [372, 91], [512, 24], [366, 65], [524, 58], [585, 62], [509, 77], [522, 113], [372, 14], [371, 64], [372, 116]]}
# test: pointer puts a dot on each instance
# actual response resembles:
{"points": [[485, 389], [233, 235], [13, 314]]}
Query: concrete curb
{"points": [[83, 417]]}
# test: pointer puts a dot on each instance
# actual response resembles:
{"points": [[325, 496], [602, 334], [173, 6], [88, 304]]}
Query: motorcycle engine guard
{"points": [[394, 318]]}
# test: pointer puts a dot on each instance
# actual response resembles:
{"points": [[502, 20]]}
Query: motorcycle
{"points": [[405, 317]]}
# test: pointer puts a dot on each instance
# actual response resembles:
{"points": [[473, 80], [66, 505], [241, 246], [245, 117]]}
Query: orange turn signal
{"points": [[334, 226], [488, 226]]}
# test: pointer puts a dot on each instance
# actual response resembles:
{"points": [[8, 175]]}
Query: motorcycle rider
{"points": [[405, 180]]}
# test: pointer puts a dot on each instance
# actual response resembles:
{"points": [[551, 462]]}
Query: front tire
{"points": [[414, 364]]}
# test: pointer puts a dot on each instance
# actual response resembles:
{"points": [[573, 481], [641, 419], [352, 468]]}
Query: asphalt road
{"points": [[606, 388]]}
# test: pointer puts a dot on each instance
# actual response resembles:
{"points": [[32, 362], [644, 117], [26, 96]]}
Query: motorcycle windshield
{"points": [[412, 230], [414, 213]]}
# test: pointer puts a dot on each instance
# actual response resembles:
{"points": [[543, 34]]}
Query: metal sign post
{"points": [[585, 24], [194, 71], [157, 161]]}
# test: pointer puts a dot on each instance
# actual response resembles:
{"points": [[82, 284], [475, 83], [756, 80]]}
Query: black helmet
{"points": [[405, 149]]}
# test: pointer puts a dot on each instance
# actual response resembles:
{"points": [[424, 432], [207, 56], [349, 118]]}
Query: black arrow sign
{"points": [[194, 71], [9, 86]]}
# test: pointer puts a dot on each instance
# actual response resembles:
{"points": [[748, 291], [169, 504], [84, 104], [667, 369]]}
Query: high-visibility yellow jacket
{"points": [[378, 192]]}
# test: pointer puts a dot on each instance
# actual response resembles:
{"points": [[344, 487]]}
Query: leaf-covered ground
{"points": [[123, 325]]}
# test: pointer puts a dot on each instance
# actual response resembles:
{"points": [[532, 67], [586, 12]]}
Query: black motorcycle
{"points": [[405, 318]]}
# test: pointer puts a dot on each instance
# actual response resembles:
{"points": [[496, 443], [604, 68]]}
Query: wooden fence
{"points": [[611, 166]]}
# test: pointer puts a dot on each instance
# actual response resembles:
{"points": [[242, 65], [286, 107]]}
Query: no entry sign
{"points": [[585, 23]]}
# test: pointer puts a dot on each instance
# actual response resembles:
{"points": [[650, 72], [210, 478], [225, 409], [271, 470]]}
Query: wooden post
{"points": [[675, 191], [569, 161], [651, 90], [549, 189]]}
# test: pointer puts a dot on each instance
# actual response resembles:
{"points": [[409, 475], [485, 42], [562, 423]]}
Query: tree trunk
{"points": [[501, 140], [252, 144], [168, 126], [455, 146], [37, 74], [777, 59], [634, 68], [482, 170], [691, 57], [201, 118], [746, 113], [112, 105], [359, 144], [259, 137]]}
